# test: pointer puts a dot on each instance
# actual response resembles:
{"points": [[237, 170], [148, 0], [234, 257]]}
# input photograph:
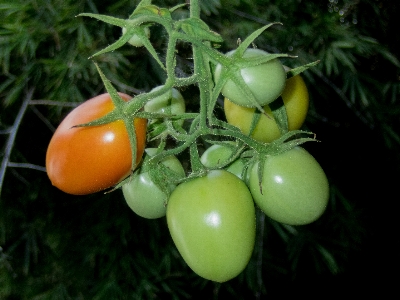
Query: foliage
{"points": [[58, 246]]}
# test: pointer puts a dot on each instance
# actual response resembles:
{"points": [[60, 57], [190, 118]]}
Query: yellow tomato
{"points": [[296, 100]]}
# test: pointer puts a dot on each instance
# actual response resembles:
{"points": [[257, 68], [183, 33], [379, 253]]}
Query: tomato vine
{"points": [[204, 123]]}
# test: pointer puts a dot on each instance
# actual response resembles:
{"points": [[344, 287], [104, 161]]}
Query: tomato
{"points": [[218, 154], [135, 40], [143, 196], [84, 160], [296, 101], [295, 189], [170, 103], [266, 81], [212, 222]]}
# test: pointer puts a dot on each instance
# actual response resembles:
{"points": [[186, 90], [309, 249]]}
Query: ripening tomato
{"points": [[212, 222], [141, 193], [266, 81], [296, 100], [294, 189], [84, 160]]}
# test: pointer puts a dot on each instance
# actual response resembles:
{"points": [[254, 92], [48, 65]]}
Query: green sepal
{"points": [[119, 104], [106, 19], [134, 27], [237, 148], [254, 121], [256, 61], [151, 10], [199, 29], [288, 141], [260, 171], [162, 176], [108, 118], [250, 39], [298, 70], [195, 162], [279, 112], [172, 9]]}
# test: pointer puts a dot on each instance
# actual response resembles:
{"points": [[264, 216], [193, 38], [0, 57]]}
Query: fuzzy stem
{"points": [[194, 9]]}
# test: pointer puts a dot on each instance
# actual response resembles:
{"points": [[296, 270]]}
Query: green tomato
{"points": [[265, 81], [143, 196], [218, 154], [169, 103], [294, 188], [212, 223], [135, 40], [296, 100]]}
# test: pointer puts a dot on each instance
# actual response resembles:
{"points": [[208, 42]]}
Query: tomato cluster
{"points": [[254, 158]]}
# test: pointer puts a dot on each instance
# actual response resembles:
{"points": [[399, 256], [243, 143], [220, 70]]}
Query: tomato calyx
{"points": [[117, 114], [286, 142], [162, 176]]}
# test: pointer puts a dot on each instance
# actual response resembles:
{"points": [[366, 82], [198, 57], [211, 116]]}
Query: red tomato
{"points": [[84, 160]]}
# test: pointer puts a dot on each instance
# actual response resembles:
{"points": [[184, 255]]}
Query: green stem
{"points": [[194, 9]]}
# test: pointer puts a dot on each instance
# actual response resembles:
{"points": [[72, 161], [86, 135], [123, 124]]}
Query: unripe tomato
{"points": [[266, 81], [170, 103], [294, 188], [143, 196], [84, 160], [212, 223], [218, 154], [296, 101]]}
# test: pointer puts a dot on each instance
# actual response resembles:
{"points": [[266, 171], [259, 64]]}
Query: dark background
{"points": [[58, 246]]}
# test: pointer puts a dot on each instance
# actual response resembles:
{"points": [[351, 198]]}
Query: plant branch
{"points": [[12, 136]]}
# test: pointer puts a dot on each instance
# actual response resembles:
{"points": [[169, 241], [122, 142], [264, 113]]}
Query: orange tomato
{"points": [[84, 160]]}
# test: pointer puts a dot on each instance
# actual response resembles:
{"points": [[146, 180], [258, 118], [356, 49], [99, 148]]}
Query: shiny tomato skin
{"points": [[296, 100], [85, 160], [266, 81], [295, 189], [212, 222], [218, 154], [171, 102]]}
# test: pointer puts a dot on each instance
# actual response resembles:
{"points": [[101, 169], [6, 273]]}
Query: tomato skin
{"points": [[171, 102], [212, 223], [217, 154], [266, 81], [143, 196], [295, 190], [85, 160], [296, 100]]}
